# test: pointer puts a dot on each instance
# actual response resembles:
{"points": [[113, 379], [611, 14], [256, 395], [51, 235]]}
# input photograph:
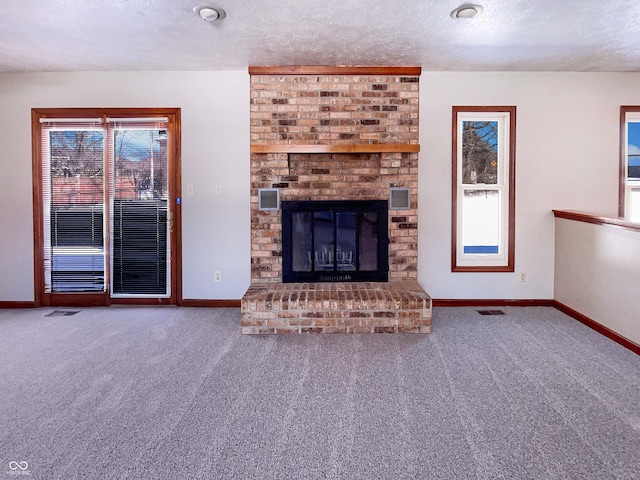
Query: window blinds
{"points": [[138, 192], [73, 204]]}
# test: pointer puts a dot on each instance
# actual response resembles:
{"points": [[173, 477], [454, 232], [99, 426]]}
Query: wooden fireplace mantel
{"points": [[409, 71], [338, 148]]}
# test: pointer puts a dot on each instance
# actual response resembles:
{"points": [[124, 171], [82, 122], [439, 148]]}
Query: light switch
{"points": [[218, 189], [190, 189]]}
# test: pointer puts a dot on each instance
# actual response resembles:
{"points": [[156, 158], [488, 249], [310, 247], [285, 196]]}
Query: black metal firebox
{"points": [[335, 241]]}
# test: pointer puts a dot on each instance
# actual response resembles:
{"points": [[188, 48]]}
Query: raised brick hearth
{"points": [[334, 133], [362, 307]]}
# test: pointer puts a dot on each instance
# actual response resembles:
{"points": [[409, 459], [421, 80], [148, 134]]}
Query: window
{"points": [[629, 196], [104, 225], [483, 192]]}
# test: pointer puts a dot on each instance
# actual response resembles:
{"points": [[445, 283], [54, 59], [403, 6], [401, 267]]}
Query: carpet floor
{"points": [[178, 393]]}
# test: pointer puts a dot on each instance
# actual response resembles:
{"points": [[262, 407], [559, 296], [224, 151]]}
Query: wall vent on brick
{"points": [[268, 199], [399, 198]]}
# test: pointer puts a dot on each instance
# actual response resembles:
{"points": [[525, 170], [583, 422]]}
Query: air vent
{"points": [[399, 198], [490, 312], [61, 313], [268, 199]]}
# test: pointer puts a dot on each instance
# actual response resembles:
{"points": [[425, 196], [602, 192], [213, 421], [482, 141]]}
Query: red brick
{"points": [[324, 322], [384, 330], [408, 329], [287, 330], [311, 330], [251, 322], [359, 329], [276, 323], [335, 329], [304, 322]]}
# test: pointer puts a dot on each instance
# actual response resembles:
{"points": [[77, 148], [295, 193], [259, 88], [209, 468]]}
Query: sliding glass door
{"points": [[140, 220], [107, 196], [73, 190]]}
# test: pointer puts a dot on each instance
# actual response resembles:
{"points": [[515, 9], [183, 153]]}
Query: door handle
{"points": [[170, 222]]}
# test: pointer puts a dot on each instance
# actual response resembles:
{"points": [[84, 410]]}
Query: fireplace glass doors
{"points": [[335, 241]]}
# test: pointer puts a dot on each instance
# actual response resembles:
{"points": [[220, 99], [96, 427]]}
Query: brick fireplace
{"points": [[338, 134]]}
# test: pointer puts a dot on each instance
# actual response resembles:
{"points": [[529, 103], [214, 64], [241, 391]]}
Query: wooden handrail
{"points": [[597, 219]]}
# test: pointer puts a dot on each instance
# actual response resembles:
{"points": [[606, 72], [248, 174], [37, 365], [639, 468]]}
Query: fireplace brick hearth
{"points": [[350, 133], [361, 307]]}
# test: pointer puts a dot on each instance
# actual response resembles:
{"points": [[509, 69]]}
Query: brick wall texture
{"points": [[327, 110], [333, 109]]}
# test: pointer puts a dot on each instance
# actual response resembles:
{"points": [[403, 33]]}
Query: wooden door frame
{"points": [[174, 149]]}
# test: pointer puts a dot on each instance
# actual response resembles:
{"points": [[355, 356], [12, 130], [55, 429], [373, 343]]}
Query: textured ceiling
{"points": [[552, 35]]}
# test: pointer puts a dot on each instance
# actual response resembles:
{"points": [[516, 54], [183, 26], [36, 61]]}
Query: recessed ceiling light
{"points": [[208, 13], [467, 10]]}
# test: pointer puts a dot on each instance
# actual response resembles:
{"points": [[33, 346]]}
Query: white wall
{"points": [[567, 158], [567, 138], [215, 150], [597, 273]]}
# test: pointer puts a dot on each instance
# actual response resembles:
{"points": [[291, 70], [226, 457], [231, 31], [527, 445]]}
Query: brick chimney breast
{"points": [[334, 133]]}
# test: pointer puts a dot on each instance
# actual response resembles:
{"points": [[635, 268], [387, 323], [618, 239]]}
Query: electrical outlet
{"points": [[523, 276], [217, 276]]}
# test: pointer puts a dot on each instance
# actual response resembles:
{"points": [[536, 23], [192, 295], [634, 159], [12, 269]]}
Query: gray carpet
{"points": [[172, 393]]}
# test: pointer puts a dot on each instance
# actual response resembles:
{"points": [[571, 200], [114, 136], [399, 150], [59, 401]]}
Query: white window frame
{"points": [[627, 186], [503, 260]]}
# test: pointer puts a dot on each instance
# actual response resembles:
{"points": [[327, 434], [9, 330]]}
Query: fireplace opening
{"points": [[335, 241]]}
